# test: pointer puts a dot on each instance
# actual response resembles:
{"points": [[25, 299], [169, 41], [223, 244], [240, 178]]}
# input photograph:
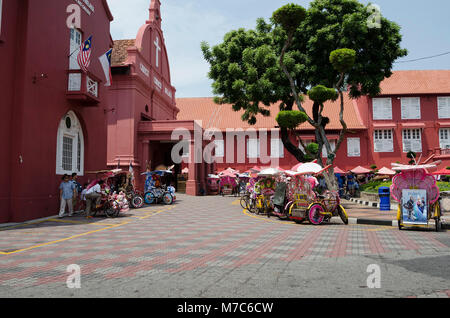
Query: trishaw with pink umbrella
{"points": [[303, 203], [416, 191], [213, 184], [228, 184]]}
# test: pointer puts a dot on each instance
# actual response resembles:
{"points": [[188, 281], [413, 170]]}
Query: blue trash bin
{"points": [[385, 198]]}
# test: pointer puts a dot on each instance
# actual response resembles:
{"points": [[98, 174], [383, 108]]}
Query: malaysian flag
{"points": [[84, 56]]}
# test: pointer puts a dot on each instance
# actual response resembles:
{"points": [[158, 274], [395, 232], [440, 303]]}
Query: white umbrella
{"points": [[269, 172], [291, 173], [309, 168]]}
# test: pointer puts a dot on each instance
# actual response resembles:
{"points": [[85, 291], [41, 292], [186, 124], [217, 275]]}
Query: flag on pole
{"points": [[84, 56], [105, 61]]}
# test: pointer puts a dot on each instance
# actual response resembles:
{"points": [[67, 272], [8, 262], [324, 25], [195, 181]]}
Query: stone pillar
{"points": [[145, 160], [192, 185]]}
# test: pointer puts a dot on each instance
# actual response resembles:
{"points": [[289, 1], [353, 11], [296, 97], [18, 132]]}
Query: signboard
{"points": [[414, 207], [144, 70], [86, 5]]}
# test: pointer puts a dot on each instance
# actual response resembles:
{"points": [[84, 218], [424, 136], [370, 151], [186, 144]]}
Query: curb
{"points": [[394, 223], [394, 206]]}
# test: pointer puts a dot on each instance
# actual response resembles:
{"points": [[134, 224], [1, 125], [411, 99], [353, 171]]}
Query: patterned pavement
{"points": [[192, 244]]}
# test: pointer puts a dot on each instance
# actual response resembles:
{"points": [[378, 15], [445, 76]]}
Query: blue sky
{"points": [[425, 29]]}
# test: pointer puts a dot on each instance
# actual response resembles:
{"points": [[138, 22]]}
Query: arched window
{"points": [[70, 146]]}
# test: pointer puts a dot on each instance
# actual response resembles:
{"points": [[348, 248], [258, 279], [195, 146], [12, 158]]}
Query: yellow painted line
{"points": [[266, 219], [64, 239], [78, 235]]}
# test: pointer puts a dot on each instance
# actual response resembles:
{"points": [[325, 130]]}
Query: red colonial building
{"points": [[52, 115], [143, 112], [412, 113]]}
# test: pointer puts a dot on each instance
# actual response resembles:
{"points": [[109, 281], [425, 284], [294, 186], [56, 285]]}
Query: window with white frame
{"points": [[75, 43], [443, 107], [412, 140], [383, 140], [252, 148], [382, 108], [410, 108], [276, 148], [444, 138], [219, 148], [353, 147], [70, 146], [333, 148]]}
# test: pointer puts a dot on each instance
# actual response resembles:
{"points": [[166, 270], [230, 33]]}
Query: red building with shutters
{"points": [[52, 115], [411, 113]]}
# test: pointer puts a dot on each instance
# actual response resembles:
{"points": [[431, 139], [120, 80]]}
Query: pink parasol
{"points": [[386, 172], [361, 170], [339, 171], [442, 172]]}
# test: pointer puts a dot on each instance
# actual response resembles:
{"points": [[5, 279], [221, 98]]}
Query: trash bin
{"points": [[385, 198]]}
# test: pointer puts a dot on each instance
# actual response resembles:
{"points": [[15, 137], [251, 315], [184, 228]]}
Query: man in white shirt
{"points": [[93, 194]]}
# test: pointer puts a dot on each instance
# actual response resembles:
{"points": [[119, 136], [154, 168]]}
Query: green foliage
{"points": [[289, 16], [373, 167], [320, 94], [448, 168], [313, 148], [343, 59], [245, 69], [291, 119], [411, 155]]}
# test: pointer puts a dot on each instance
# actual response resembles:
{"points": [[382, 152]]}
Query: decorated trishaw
{"points": [[264, 190], [296, 200], [417, 194], [155, 190], [228, 185], [213, 184], [119, 182]]}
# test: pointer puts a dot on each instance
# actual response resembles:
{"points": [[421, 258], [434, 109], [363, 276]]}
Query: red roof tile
{"points": [[417, 82], [119, 53], [223, 116]]}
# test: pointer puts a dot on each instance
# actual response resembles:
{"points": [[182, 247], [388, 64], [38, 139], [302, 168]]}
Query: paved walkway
{"points": [[208, 247]]}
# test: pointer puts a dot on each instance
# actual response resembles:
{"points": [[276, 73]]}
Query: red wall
{"points": [[288, 161], [430, 133], [37, 42]]}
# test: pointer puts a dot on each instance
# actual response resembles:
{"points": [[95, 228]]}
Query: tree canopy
{"points": [[318, 52]]}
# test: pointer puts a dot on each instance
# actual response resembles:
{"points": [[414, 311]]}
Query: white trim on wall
{"points": [[76, 151]]}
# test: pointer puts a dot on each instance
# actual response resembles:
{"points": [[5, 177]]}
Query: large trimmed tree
{"points": [[319, 52]]}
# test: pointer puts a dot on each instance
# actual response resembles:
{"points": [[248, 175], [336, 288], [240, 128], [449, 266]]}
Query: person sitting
{"points": [[93, 194]]}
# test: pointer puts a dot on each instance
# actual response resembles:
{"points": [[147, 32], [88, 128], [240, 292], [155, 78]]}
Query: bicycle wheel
{"points": [[314, 214], [244, 202], [149, 198], [168, 199], [437, 217], [343, 214], [137, 202]]}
